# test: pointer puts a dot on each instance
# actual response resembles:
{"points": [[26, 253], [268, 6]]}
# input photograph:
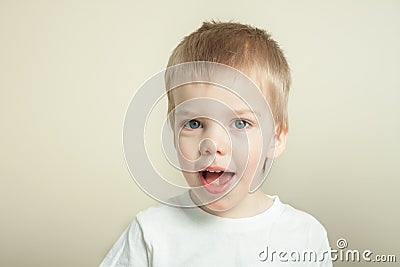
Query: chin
{"points": [[221, 205]]}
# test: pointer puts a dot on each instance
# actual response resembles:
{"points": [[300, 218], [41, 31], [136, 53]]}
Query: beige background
{"points": [[68, 70]]}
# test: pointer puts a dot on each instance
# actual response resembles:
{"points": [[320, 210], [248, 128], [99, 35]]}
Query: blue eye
{"points": [[240, 124], [193, 124]]}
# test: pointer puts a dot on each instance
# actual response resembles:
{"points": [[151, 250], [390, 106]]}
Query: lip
{"points": [[216, 168], [215, 188]]}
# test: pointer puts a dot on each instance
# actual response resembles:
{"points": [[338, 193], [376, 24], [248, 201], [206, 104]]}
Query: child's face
{"points": [[220, 143]]}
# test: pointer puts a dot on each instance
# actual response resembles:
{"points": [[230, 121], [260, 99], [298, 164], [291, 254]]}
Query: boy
{"points": [[226, 136]]}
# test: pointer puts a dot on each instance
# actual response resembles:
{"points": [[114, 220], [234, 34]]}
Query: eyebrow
{"points": [[184, 112], [238, 112], [247, 111]]}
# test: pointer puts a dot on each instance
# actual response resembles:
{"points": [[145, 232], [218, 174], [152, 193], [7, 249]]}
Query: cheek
{"points": [[191, 179], [188, 147], [255, 145], [254, 155]]}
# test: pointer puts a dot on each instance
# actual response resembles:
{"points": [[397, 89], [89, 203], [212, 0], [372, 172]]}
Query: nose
{"points": [[215, 141], [207, 147]]}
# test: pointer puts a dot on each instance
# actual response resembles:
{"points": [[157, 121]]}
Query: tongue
{"points": [[223, 177], [212, 176]]}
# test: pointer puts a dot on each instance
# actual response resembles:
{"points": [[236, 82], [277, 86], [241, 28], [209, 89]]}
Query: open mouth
{"points": [[216, 181]]}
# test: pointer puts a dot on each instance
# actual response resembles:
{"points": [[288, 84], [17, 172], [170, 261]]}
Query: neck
{"points": [[252, 205]]}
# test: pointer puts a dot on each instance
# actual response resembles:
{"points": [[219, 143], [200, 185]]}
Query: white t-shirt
{"points": [[169, 236]]}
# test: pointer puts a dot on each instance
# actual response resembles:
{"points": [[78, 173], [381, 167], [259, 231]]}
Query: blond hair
{"points": [[246, 48]]}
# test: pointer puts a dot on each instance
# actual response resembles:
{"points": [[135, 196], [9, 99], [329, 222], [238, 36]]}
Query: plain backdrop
{"points": [[68, 70]]}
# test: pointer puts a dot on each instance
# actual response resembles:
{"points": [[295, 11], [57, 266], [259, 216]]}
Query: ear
{"points": [[280, 141]]}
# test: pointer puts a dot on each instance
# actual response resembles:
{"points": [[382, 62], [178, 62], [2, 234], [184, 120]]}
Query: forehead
{"points": [[203, 90]]}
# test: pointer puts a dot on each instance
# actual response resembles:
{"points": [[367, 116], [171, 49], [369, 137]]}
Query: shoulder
{"points": [[160, 213], [161, 223], [298, 217], [164, 218], [299, 223], [164, 215]]}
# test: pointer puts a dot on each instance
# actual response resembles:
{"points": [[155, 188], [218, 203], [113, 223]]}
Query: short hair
{"points": [[250, 50]]}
